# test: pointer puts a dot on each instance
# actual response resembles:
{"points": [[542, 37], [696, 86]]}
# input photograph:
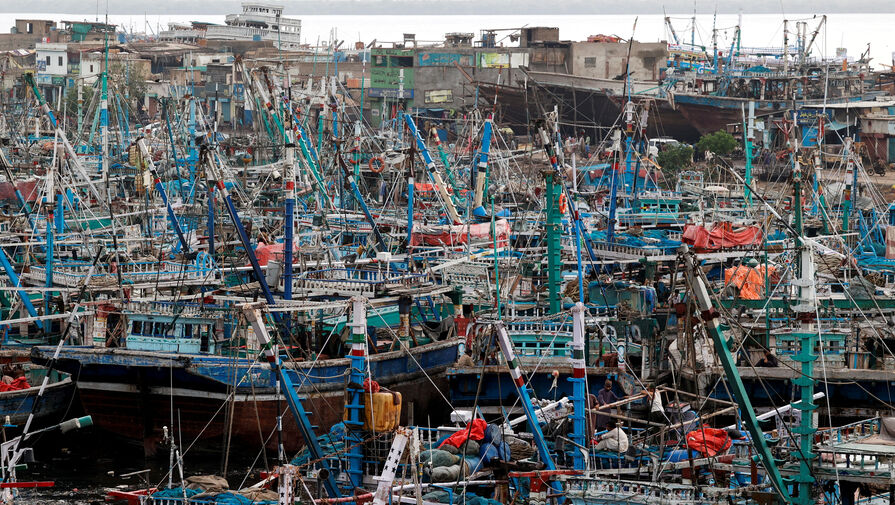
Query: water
{"points": [[851, 31]]}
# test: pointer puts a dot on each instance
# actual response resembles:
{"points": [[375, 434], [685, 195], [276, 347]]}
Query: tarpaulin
{"points": [[457, 234], [749, 280], [721, 236], [266, 252], [708, 441], [15, 385], [473, 431]]}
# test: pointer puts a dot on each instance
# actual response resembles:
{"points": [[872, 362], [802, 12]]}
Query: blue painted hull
{"points": [[132, 393]]}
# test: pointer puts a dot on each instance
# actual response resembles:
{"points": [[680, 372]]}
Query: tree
{"points": [[719, 143], [674, 159]]}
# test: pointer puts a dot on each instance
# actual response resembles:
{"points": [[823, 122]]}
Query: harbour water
{"points": [[852, 31]]}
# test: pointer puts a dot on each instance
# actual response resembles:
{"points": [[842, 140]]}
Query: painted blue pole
{"points": [[289, 224], [14, 280], [60, 215], [147, 158], [409, 209], [481, 168], [579, 426], [436, 178], [211, 220], [49, 265], [355, 406]]}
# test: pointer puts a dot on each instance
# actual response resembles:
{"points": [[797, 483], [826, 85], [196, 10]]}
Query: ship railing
{"points": [[607, 488], [625, 251], [168, 308], [73, 274], [354, 280], [849, 432]]}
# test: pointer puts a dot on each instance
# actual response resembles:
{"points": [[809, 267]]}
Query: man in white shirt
{"points": [[614, 440]]}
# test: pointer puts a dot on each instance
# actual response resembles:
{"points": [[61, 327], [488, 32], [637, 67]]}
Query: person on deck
{"points": [[656, 408], [615, 440], [605, 397], [769, 360]]}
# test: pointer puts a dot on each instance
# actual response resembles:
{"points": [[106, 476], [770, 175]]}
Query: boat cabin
{"points": [[170, 333]]}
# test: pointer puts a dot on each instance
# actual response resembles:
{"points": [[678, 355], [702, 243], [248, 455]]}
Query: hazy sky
{"points": [[308, 7]]}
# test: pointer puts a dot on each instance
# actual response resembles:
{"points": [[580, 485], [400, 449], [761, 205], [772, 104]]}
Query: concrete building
{"points": [[51, 63], [28, 32], [37, 27], [608, 60]]}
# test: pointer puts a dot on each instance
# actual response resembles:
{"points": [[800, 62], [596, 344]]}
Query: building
{"points": [[51, 64], [120, 62], [42, 28], [89, 31], [28, 32], [259, 21]]}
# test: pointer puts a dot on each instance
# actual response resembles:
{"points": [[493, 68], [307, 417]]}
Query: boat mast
{"points": [[807, 336], [848, 199], [750, 138], [553, 226], [578, 380]]}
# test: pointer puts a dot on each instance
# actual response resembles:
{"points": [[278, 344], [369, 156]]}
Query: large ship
{"points": [[259, 21]]}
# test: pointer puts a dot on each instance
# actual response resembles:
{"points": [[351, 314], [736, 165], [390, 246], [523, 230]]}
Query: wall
{"points": [[606, 60], [54, 52], [39, 27]]}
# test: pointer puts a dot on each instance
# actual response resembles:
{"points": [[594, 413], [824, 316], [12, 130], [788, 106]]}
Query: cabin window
{"points": [[48, 61], [590, 62], [187, 331], [60, 61], [137, 327], [91, 69]]}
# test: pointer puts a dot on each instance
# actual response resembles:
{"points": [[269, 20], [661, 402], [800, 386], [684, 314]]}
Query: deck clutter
{"points": [[401, 295]]}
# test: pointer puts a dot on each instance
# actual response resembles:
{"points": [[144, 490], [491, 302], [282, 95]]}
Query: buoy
{"points": [[562, 203], [376, 164]]}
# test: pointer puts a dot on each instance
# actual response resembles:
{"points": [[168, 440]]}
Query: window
{"points": [[590, 62], [29, 27], [91, 69], [60, 61], [48, 61], [136, 327]]}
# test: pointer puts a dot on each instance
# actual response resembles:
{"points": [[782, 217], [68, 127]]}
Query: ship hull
{"points": [[134, 394]]}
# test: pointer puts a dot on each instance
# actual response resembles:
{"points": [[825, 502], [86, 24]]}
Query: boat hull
{"points": [[136, 394]]}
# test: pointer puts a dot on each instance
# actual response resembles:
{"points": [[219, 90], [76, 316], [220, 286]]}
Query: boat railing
{"points": [[360, 281], [848, 432], [169, 309], [73, 274], [625, 250], [607, 488]]}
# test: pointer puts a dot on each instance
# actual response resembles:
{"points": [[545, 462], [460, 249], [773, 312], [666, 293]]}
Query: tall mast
{"points": [[553, 191], [750, 138], [805, 311]]}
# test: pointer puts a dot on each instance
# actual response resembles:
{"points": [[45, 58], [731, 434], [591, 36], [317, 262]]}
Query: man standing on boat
{"points": [[606, 396]]}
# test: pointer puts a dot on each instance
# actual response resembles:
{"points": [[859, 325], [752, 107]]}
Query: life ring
{"points": [[562, 203], [376, 164]]}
